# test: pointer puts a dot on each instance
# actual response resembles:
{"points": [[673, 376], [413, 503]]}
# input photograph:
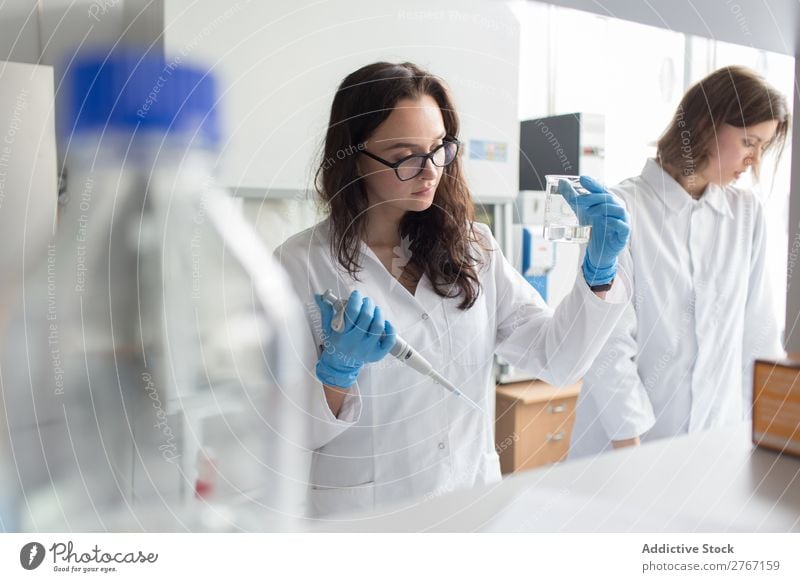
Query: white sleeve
{"points": [[762, 333], [558, 346], [321, 425], [613, 383]]}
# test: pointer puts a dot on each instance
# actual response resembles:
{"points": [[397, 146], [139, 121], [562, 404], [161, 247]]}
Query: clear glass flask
{"points": [[560, 222]]}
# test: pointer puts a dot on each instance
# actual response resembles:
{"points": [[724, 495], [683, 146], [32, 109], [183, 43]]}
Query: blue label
{"points": [[488, 151]]}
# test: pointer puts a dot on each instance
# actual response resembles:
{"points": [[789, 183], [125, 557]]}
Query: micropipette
{"points": [[401, 350]]}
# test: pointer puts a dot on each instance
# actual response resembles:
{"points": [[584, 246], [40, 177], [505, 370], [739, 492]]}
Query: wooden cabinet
{"points": [[533, 425]]}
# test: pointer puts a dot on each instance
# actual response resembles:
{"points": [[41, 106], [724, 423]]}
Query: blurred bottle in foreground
{"points": [[174, 324]]}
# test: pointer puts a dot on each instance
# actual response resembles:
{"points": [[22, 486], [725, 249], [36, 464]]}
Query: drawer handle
{"points": [[556, 408], [559, 436]]}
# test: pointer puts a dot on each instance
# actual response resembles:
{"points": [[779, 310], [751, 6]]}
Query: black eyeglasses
{"points": [[412, 166]]}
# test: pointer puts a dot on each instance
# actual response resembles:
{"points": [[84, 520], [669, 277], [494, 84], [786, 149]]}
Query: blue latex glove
{"points": [[366, 337], [610, 228]]}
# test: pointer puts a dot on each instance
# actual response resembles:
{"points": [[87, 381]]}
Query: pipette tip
{"points": [[440, 380]]}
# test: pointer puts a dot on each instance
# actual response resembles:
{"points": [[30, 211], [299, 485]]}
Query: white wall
{"points": [[280, 63]]}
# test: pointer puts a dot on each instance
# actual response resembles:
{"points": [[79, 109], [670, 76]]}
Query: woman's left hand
{"points": [[610, 228]]}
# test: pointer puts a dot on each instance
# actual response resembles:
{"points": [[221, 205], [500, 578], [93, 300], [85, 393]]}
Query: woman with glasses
{"points": [[401, 245]]}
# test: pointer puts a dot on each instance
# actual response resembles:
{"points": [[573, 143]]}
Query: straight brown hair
{"points": [[442, 237], [734, 95]]}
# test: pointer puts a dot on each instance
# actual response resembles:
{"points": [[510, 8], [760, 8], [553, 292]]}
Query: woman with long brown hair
{"points": [[400, 234], [681, 358]]}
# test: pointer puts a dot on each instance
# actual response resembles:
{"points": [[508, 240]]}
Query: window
{"points": [[635, 75]]}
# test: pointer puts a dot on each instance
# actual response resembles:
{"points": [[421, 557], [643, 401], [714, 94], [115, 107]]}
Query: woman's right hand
{"points": [[634, 442], [365, 337]]}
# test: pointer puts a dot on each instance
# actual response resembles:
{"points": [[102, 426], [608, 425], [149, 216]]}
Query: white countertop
{"points": [[708, 482]]}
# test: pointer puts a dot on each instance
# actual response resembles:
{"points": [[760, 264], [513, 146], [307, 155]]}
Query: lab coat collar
{"points": [[378, 274], [676, 198], [716, 198], [324, 229]]}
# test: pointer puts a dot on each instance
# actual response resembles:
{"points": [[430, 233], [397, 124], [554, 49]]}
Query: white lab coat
{"points": [[401, 436], [681, 358]]}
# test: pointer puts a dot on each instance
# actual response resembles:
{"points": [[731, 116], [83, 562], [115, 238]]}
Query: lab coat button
{"points": [[441, 445], [424, 316]]}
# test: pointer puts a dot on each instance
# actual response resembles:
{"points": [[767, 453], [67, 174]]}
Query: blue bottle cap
{"points": [[129, 90]]}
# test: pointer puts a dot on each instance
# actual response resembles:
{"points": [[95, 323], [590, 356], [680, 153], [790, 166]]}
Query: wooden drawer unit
{"points": [[534, 422]]}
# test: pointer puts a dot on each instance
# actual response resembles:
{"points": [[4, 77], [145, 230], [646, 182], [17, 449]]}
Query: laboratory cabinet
{"points": [[533, 424]]}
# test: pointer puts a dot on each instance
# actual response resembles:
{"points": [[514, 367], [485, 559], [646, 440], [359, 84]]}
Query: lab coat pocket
{"points": [[331, 501], [471, 334]]}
